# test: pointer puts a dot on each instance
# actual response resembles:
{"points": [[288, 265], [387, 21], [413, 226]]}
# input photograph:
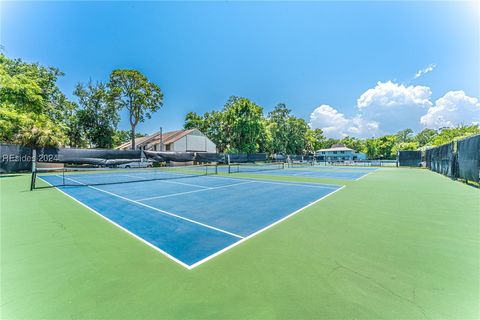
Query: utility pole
{"points": [[161, 139]]}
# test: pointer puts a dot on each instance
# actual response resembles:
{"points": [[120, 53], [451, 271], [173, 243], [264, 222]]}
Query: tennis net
{"points": [[88, 176], [300, 164], [255, 167]]}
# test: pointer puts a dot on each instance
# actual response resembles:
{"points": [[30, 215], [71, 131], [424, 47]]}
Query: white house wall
{"points": [[180, 145], [211, 147], [196, 143]]}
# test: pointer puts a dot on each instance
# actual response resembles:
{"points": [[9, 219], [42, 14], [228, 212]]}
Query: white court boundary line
{"points": [[165, 180], [306, 184], [194, 191], [364, 175], [306, 173], [196, 264], [285, 183], [166, 254], [159, 210]]}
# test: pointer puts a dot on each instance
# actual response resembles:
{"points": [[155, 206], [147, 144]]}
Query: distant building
{"points": [[192, 140], [339, 152]]}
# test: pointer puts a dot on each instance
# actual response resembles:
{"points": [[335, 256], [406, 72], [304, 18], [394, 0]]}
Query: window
{"points": [[334, 152], [167, 147], [342, 151]]}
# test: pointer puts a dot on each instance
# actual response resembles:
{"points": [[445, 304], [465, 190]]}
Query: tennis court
{"points": [[387, 246], [189, 218]]}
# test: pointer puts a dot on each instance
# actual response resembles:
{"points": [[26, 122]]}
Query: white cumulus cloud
{"points": [[421, 72], [336, 125], [394, 106], [453, 109], [390, 107]]}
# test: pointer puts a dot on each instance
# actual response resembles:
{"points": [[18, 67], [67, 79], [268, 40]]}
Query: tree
{"points": [[296, 133], [33, 110], [412, 145], [194, 121], [98, 116], [385, 147], [310, 142], [75, 131], [371, 148], [213, 126], [242, 124], [425, 137], [131, 90], [353, 143], [405, 135], [265, 138], [278, 125], [328, 143], [120, 137], [29, 129], [447, 135]]}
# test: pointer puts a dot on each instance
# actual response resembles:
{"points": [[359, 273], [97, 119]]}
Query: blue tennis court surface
{"points": [[314, 173], [309, 172], [193, 219]]}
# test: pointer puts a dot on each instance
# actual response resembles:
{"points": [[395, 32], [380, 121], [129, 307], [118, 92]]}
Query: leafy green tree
{"points": [[371, 148], [211, 124], [353, 143], [120, 137], [242, 124], [314, 140], [29, 129], [213, 127], [405, 135], [297, 134], [265, 138], [425, 137], [385, 147], [131, 90], [412, 145], [74, 131], [329, 142], [279, 128], [447, 135], [33, 110], [194, 121], [98, 116]]}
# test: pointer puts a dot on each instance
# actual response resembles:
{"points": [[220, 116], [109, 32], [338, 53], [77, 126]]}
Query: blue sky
{"points": [[307, 55]]}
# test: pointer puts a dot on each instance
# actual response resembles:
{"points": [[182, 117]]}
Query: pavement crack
{"points": [[379, 284]]}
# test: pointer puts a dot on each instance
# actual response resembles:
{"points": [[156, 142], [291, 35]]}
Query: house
{"points": [[192, 140], [339, 152]]}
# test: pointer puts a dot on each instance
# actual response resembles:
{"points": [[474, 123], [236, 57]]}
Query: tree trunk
{"points": [[133, 137]]}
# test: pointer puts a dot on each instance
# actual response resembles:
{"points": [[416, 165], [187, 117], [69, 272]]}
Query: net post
{"points": [[228, 163], [34, 169]]}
